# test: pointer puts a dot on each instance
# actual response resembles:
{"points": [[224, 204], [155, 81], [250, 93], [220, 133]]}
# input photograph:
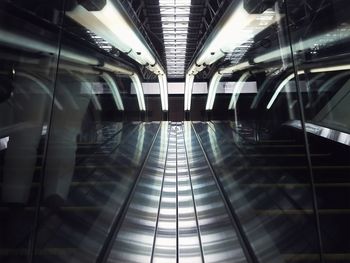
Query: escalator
{"points": [[176, 212]]}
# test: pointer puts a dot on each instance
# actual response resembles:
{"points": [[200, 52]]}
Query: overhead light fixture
{"points": [[215, 80], [114, 89], [328, 69], [237, 90], [188, 91], [300, 72], [213, 86], [135, 80], [35, 43], [280, 87], [239, 27], [313, 43], [117, 69], [139, 91], [110, 24], [234, 68], [163, 85]]}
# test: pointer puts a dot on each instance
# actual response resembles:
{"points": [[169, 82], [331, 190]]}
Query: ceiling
{"points": [[175, 30]]}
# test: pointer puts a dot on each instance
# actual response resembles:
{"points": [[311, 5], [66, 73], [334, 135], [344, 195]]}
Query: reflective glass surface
{"points": [[321, 48], [28, 64]]}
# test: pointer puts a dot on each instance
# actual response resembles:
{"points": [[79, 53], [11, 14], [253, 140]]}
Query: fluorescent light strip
{"points": [[213, 86], [188, 91], [110, 24], [316, 70], [117, 69], [234, 68], [114, 89], [139, 91], [328, 69], [237, 90], [280, 87], [323, 39], [163, 86], [161, 90]]}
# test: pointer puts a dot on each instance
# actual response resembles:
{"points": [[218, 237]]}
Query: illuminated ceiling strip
{"points": [[280, 88], [163, 86], [110, 24], [237, 90], [188, 91], [241, 26], [214, 82], [316, 70], [33, 43], [134, 78], [139, 91], [328, 69], [235, 68], [311, 43], [213, 86], [114, 89]]}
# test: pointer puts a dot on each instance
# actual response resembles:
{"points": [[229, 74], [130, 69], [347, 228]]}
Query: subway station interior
{"points": [[174, 131]]}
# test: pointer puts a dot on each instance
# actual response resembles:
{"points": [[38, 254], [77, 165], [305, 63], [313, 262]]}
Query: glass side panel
{"points": [[29, 44], [321, 48]]}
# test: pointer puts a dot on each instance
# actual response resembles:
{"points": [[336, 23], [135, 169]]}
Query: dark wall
{"points": [[220, 109], [176, 108], [154, 108], [198, 107]]}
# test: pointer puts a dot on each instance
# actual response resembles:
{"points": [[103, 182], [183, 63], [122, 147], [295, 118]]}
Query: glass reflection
{"points": [[27, 74], [321, 50]]}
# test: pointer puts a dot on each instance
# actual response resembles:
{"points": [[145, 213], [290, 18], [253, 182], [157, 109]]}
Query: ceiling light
{"points": [[114, 89], [239, 27], [213, 86], [234, 68], [111, 25], [188, 91], [237, 90], [163, 85], [139, 91], [328, 69], [280, 87]]}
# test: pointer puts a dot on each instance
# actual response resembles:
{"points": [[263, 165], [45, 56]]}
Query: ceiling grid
{"points": [[175, 19]]}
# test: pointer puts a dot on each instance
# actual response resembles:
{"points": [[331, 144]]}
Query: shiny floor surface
{"points": [[176, 212]]}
